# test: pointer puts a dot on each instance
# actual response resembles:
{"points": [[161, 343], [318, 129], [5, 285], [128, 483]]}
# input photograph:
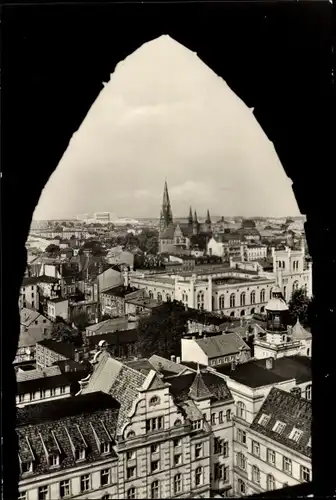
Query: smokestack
{"points": [[172, 358], [178, 360], [269, 363], [76, 356], [233, 365]]}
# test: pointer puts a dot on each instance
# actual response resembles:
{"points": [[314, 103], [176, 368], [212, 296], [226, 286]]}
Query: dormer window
{"points": [[279, 427], [26, 467], [80, 454], [105, 448], [198, 424], [295, 435], [54, 460], [264, 419]]}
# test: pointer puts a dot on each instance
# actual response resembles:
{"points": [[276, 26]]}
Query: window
{"points": [[42, 393], [241, 487], [221, 472], [54, 460], [198, 450], [26, 467], [177, 442], [264, 419], [221, 302], [262, 295], [287, 465], [295, 434], [33, 304], [284, 292], [80, 454], [232, 300], [43, 493], [154, 448], [255, 474], [177, 422], [241, 436], [253, 297], [22, 495], [130, 434], [304, 473], [241, 461], [270, 456], [85, 482], [104, 477], [65, 489], [225, 448], [228, 415], [279, 427], [220, 417], [255, 448], [213, 418], [155, 400], [32, 396], [198, 476], [63, 389], [177, 483], [200, 300], [270, 482], [155, 489], [154, 465], [154, 424], [218, 445], [296, 391], [131, 492], [105, 448], [130, 472], [197, 425], [21, 398], [159, 297], [241, 410], [309, 392], [177, 459], [52, 392], [242, 298], [150, 294]]}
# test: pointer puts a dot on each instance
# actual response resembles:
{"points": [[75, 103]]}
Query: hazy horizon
{"points": [[165, 114]]}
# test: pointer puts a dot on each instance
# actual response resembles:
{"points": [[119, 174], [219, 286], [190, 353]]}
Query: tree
{"points": [[62, 332], [300, 306], [81, 321], [52, 249], [148, 241], [161, 333]]}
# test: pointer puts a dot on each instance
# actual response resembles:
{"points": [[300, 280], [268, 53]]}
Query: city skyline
{"points": [[183, 118]]}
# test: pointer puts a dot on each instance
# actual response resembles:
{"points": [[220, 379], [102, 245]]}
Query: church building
{"points": [[176, 237]]}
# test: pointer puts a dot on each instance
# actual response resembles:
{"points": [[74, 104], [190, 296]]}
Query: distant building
{"points": [[109, 326], [117, 255], [215, 350], [33, 328], [50, 351], [103, 217], [113, 300], [58, 307]]}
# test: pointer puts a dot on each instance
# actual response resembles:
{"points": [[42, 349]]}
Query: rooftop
{"points": [[198, 386], [45, 382], [63, 348], [34, 280], [120, 291], [120, 337], [66, 425], [222, 345], [294, 412], [255, 373], [58, 299], [145, 302], [107, 326]]}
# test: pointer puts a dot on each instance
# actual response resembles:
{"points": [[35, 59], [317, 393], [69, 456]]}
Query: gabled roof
{"points": [[49, 371], [119, 291], [41, 383], [165, 366], [122, 382], [168, 233], [198, 390], [28, 316], [222, 345], [299, 333], [107, 326], [293, 411], [195, 385]]}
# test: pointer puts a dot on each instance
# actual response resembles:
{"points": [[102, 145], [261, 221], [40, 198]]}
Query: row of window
{"points": [[287, 466], [105, 479], [218, 361], [218, 418], [281, 265], [42, 394], [232, 299]]}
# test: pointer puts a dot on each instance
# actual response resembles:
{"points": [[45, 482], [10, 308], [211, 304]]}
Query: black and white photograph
{"points": [[167, 310]]}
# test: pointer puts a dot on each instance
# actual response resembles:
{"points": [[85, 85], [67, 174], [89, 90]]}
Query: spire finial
{"points": [[198, 368]]}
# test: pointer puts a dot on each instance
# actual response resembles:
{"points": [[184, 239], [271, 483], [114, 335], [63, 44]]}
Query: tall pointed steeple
{"points": [[195, 223], [208, 220], [195, 217], [166, 216], [190, 218]]}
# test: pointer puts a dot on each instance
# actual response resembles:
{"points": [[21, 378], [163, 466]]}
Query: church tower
{"points": [[195, 223], [166, 216], [208, 225], [190, 218]]}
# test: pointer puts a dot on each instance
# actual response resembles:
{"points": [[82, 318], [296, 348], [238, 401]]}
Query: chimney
{"points": [[269, 363], [233, 365], [76, 356], [178, 360], [67, 367], [172, 358]]}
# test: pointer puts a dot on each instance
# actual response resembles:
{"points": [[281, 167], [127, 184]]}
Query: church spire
{"points": [[166, 216], [208, 220], [190, 218], [195, 217]]}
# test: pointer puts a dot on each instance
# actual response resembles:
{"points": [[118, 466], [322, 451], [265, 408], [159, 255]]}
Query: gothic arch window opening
{"points": [[253, 297], [232, 300], [242, 298], [222, 302], [200, 300]]}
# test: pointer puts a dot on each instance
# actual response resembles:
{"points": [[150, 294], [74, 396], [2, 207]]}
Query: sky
{"points": [[165, 114]]}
